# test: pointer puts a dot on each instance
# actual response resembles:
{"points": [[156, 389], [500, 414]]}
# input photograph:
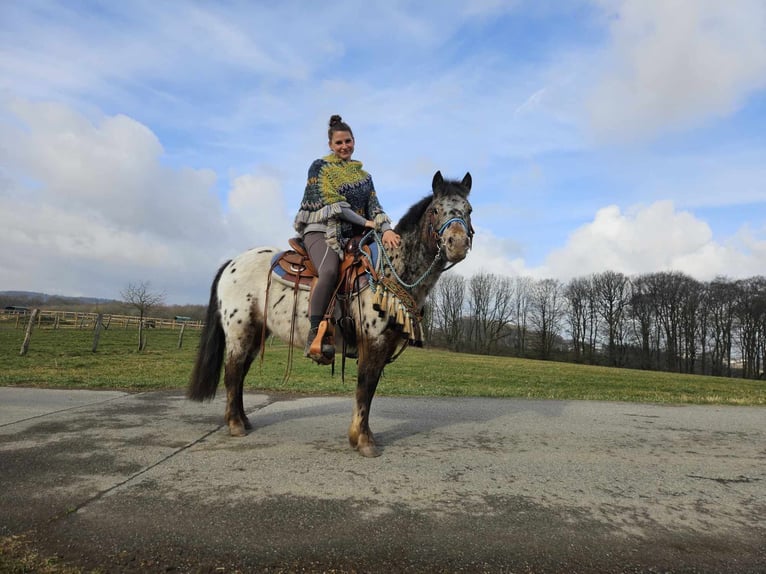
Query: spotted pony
{"points": [[436, 233]]}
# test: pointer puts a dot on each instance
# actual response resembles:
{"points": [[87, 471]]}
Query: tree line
{"points": [[657, 321]]}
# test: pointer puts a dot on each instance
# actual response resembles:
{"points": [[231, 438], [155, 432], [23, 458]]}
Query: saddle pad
{"points": [[374, 256]]}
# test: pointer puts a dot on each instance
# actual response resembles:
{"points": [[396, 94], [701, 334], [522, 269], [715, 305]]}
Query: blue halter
{"points": [[449, 222]]}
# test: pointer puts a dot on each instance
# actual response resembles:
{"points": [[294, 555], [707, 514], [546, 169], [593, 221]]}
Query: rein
{"points": [[390, 265], [438, 235], [404, 294]]}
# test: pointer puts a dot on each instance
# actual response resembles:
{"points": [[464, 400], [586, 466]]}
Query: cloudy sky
{"points": [[151, 141]]}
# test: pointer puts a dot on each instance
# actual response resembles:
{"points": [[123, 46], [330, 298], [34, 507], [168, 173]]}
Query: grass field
{"points": [[63, 359]]}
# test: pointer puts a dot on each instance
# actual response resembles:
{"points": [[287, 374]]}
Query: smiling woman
{"points": [[339, 202]]}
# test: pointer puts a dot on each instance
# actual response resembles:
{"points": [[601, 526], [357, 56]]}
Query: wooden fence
{"points": [[47, 319]]}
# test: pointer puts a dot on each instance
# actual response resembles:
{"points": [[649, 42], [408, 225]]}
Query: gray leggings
{"points": [[327, 264]]}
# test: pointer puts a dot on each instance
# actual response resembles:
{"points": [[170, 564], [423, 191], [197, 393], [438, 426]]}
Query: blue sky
{"points": [[151, 141]]}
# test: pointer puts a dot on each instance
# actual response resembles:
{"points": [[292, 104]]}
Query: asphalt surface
{"points": [[153, 483]]}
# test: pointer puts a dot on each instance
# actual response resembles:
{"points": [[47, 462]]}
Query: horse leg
{"points": [[241, 391], [237, 365], [359, 434], [233, 377], [235, 370]]}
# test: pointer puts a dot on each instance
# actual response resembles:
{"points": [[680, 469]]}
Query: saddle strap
{"points": [[296, 287]]}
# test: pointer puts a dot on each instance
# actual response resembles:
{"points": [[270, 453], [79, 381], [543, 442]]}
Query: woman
{"points": [[338, 203]]}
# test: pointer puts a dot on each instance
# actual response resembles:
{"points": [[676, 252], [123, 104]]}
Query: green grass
{"points": [[63, 359]]}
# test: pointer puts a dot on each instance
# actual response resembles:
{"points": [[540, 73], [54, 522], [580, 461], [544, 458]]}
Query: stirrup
{"points": [[317, 348]]}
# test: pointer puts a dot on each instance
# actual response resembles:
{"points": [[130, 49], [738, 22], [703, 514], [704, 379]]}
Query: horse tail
{"points": [[207, 368]]}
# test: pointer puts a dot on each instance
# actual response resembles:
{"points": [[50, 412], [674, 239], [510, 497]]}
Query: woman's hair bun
{"points": [[338, 125]]}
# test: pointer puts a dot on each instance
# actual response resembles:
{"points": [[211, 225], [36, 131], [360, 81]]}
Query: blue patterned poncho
{"points": [[333, 184]]}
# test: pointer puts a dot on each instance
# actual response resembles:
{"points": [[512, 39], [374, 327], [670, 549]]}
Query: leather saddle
{"points": [[294, 265], [294, 268]]}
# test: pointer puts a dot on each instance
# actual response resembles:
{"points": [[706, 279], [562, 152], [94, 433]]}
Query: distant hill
{"points": [[32, 297]]}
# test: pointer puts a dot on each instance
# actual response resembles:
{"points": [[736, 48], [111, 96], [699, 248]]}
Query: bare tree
{"points": [[448, 301], [582, 318], [139, 296], [502, 311], [547, 312], [479, 305], [703, 326], [721, 304], [611, 290], [751, 314], [691, 310], [490, 305], [522, 289], [643, 317]]}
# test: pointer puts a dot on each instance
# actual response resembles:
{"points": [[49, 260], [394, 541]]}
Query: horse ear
{"points": [[438, 182], [467, 181]]}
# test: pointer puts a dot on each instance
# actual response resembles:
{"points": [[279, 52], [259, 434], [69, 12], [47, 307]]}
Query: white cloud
{"points": [[492, 254], [111, 167], [256, 213], [674, 65], [654, 238], [94, 196]]}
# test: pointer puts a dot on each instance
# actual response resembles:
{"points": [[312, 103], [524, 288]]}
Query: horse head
{"points": [[450, 217]]}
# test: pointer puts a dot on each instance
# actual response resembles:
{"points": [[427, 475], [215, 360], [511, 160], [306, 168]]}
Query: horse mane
{"points": [[411, 220]]}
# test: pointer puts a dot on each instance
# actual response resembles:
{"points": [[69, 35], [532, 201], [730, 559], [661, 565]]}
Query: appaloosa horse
{"points": [[435, 233]]}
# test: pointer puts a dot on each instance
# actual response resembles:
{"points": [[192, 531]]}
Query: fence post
{"points": [[181, 335], [28, 335], [97, 334]]}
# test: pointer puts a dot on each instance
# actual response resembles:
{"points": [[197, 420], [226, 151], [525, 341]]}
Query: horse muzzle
{"points": [[456, 242]]}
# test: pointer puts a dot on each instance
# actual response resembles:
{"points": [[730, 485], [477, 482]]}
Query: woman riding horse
{"points": [[245, 307], [339, 202]]}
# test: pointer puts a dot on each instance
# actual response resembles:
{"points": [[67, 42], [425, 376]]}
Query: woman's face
{"points": [[342, 144]]}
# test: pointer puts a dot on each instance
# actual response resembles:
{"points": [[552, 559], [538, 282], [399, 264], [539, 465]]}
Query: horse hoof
{"points": [[237, 431], [369, 451]]}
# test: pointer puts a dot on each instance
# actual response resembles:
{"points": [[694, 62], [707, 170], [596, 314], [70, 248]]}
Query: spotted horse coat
{"points": [[436, 233]]}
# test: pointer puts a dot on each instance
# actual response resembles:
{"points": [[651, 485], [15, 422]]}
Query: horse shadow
{"points": [[422, 416], [398, 419]]}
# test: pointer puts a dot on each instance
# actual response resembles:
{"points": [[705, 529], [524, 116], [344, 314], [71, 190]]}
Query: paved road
{"points": [[152, 482]]}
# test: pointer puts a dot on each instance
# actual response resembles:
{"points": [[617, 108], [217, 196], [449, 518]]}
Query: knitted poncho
{"points": [[333, 184]]}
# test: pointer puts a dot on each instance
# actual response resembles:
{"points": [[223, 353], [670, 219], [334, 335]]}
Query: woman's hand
{"points": [[390, 239]]}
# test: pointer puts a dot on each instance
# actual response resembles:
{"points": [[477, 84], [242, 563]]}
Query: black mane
{"points": [[411, 220]]}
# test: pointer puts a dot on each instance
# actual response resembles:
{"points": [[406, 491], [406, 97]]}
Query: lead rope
{"points": [[390, 265]]}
